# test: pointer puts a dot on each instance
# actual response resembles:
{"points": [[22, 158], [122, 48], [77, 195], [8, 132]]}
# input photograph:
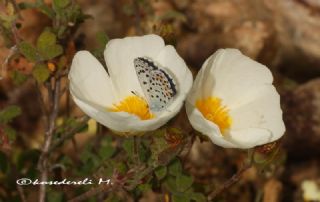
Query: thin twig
{"points": [[92, 192], [103, 189], [42, 103], [43, 160], [137, 17], [17, 176], [138, 177], [136, 146], [21, 193], [69, 134], [231, 181], [50, 92]]}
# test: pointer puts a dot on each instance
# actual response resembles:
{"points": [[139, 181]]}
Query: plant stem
{"points": [[43, 160], [69, 134], [137, 17], [92, 192], [235, 178], [136, 146], [42, 103], [21, 193]]}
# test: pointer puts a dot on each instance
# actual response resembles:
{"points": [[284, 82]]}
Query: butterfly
{"points": [[158, 84]]}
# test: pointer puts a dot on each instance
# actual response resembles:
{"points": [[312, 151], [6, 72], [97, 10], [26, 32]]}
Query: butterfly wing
{"points": [[157, 84]]}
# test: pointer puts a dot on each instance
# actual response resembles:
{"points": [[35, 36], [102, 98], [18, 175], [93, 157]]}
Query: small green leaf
{"points": [[102, 39], [28, 51], [40, 72], [183, 182], [11, 133], [18, 78], [61, 3], [161, 172], [121, 167], [47, 47], [3, 162], [51, 52], [198, 197], [170, 184], [158, 145], [46, 39], [175, 167], [144, 187], [180, 198], [106, 152], [112, 198], [9, 113], [144, 153], [54, 196]]}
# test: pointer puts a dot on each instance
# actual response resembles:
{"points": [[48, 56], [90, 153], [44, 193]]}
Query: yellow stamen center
{"points": [[134, 105], [213, 110]]}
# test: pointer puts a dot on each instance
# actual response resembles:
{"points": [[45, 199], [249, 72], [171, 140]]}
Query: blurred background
{"points": [[284, 35]]}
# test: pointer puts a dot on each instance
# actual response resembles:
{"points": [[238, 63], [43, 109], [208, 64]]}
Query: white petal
{"points": [[108, 119], [120, 54], [204, 81], [237, 76], [263, 112], [177, 104], [169, 58], [250, 137], [207, 128], [118, 121], [89, 77]]}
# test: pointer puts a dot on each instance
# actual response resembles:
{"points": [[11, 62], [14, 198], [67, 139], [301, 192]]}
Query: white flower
{"points": [[234, 103], [116, 99]]}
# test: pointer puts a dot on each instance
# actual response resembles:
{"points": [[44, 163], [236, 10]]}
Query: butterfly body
{"points": [[158, 84]]}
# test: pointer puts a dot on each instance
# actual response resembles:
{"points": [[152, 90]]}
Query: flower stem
{"points": [[136, 146], [44, 160], [235, 178], [70, 133], [92, 192]]}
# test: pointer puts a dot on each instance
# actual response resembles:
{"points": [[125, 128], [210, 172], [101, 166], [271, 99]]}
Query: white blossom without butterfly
{"points": [[234, 103], [118, 98]]}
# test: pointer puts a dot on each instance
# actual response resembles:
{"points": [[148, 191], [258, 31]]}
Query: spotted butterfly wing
{"points": [[157, 84]]}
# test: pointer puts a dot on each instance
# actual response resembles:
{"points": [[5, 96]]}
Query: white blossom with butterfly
{"points": [[95, 89]]}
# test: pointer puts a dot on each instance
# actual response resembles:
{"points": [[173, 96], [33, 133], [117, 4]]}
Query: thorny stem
{"points": [[235, 178], [43, 160]]}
